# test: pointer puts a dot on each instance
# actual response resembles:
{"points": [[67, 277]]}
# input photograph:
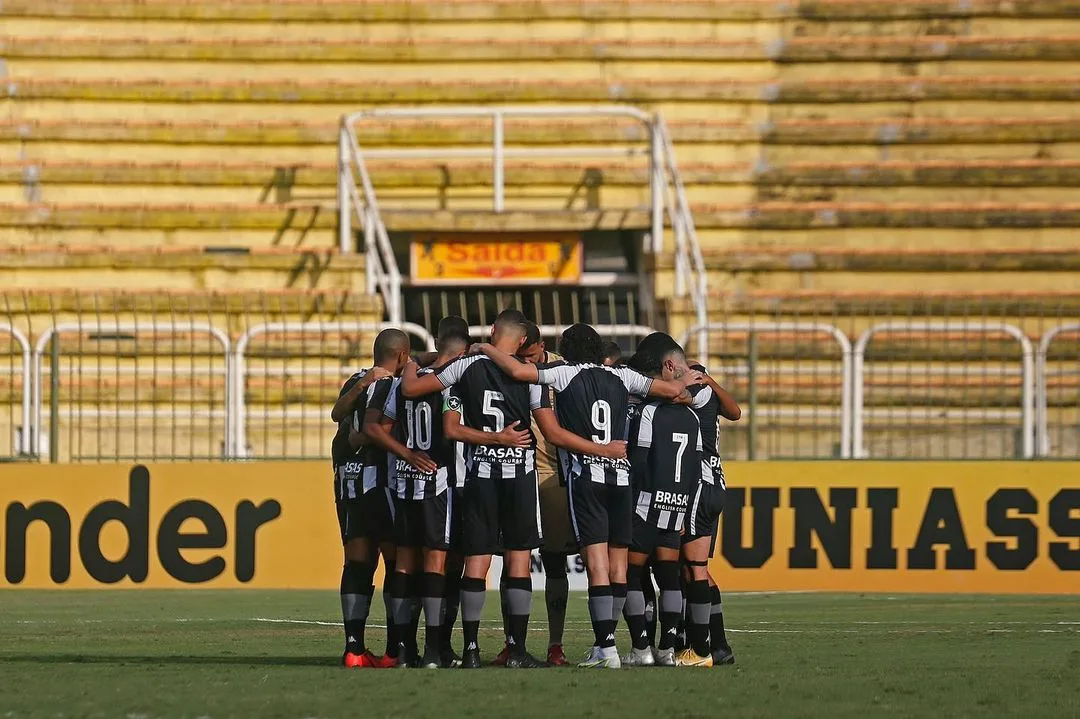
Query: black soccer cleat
{"points": [[724, 655], [471, 659], [524, 661]]}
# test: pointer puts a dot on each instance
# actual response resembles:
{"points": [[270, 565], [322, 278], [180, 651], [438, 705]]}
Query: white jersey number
{"points": [[490, 410], [683, 440], [601, 421]]}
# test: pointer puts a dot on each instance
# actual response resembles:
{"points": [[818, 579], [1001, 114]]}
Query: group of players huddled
{"points": [[444, 460]]}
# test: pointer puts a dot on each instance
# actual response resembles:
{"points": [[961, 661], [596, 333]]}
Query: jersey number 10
{"points": [[417, 425]]}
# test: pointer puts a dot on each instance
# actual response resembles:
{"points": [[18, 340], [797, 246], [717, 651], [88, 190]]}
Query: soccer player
{"points": [[612, 354], [592, 401], [360, 544], [391, 352], [665, 457], [491, 414], [558, 540], [411, 429]]}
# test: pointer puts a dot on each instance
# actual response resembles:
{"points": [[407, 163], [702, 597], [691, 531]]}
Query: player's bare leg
{"points": [[356, 593], [699, 604]]}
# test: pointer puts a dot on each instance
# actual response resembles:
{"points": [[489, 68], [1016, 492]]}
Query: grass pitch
{"points": [[267, 654]]}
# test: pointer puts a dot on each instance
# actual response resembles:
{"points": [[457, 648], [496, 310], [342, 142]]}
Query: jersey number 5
{"points": [[490, 410], [417, 425]]}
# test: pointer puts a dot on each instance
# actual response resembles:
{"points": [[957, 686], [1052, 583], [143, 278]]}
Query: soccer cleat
{"points": [[664, 657], [524, 661], [640, 658], [601, 659], [500, 659], [723, 656], [433, 660], [450, 660], [386, 662], [471, 659], [363, 660], [556, 656], [689, 658]]}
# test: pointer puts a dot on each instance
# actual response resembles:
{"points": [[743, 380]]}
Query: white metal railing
{"points": [[555, 330], [25, 447], [1042, 422], [847, 367], [358, 200], [127, 327], [237, 442], [1027, 398]]}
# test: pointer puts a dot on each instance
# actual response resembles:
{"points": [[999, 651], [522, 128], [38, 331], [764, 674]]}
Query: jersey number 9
{"points": [[601, 421]]}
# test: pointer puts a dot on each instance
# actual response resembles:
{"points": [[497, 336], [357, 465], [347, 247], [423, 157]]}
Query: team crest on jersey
{"points": [[453, 404]]}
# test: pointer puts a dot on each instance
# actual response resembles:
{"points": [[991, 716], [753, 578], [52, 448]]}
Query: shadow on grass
{"points": [[122, 659]]}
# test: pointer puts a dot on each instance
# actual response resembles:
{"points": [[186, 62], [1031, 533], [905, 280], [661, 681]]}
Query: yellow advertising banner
{"points": [[462, 259], [834, 526]]}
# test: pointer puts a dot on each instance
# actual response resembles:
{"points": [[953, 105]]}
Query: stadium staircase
{"points": [[850, 162]]}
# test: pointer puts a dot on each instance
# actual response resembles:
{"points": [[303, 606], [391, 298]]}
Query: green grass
{"points": [[201, 653]]}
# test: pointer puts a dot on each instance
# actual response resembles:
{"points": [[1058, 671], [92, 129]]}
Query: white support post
{"points": [[1042, 386], [345, 235]]}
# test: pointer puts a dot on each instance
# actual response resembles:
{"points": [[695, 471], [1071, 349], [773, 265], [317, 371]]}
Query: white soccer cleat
{"points": [[664, 657], [640, 658], [601, 659]]}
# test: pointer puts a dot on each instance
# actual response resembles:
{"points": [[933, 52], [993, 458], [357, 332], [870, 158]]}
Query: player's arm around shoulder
{"points": [[511, 366]]}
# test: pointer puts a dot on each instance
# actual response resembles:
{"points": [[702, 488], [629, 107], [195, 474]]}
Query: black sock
{"points": [[388, 604], [698, 619], [670, 603], [519, 605], [356, 593], [600, 612], [452, 599], [397, 587], [416, 594], [649, 592], [473, 593], [504, 607], [556, 594], [634, 609], [717, 636], [618, 601], [433, 591]]}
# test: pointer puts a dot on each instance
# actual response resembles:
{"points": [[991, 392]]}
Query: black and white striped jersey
{"points": [[345, 459], [418, 425], [666, 462], [374, 462], [707, 406], [489, 400], [592, 403]]}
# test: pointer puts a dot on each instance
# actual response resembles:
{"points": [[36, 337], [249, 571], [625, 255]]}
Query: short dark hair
{"points": [[532, 334], [581, 344], [452, 329], [651, 351], [390, 342], [511, 320], [612, 352]]}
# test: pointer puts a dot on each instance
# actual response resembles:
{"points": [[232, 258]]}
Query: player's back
{"points": [[666, 455], [418, 425], [707, 407]]}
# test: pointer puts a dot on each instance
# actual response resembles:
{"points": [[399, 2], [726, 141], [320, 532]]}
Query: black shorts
{"points": [[369, 516], [457, 501], [500, 514], [424, 522], [703, 516], [647, 537], [601, 512]]}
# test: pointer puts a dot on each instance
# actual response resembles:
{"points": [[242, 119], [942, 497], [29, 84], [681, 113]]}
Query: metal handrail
{"points": [[1027, 401], [847, 370], [48, 334], [603, 330], [383, 273], [238, 445], [1042, 390], [25, 442]]}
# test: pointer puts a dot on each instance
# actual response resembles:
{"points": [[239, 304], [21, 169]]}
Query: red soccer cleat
{"points": [[366, 660], [556, 657], [500, 661], [385, 662]]}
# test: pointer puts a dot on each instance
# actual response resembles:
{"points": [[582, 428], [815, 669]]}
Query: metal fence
{"points": [[114, 376]]}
